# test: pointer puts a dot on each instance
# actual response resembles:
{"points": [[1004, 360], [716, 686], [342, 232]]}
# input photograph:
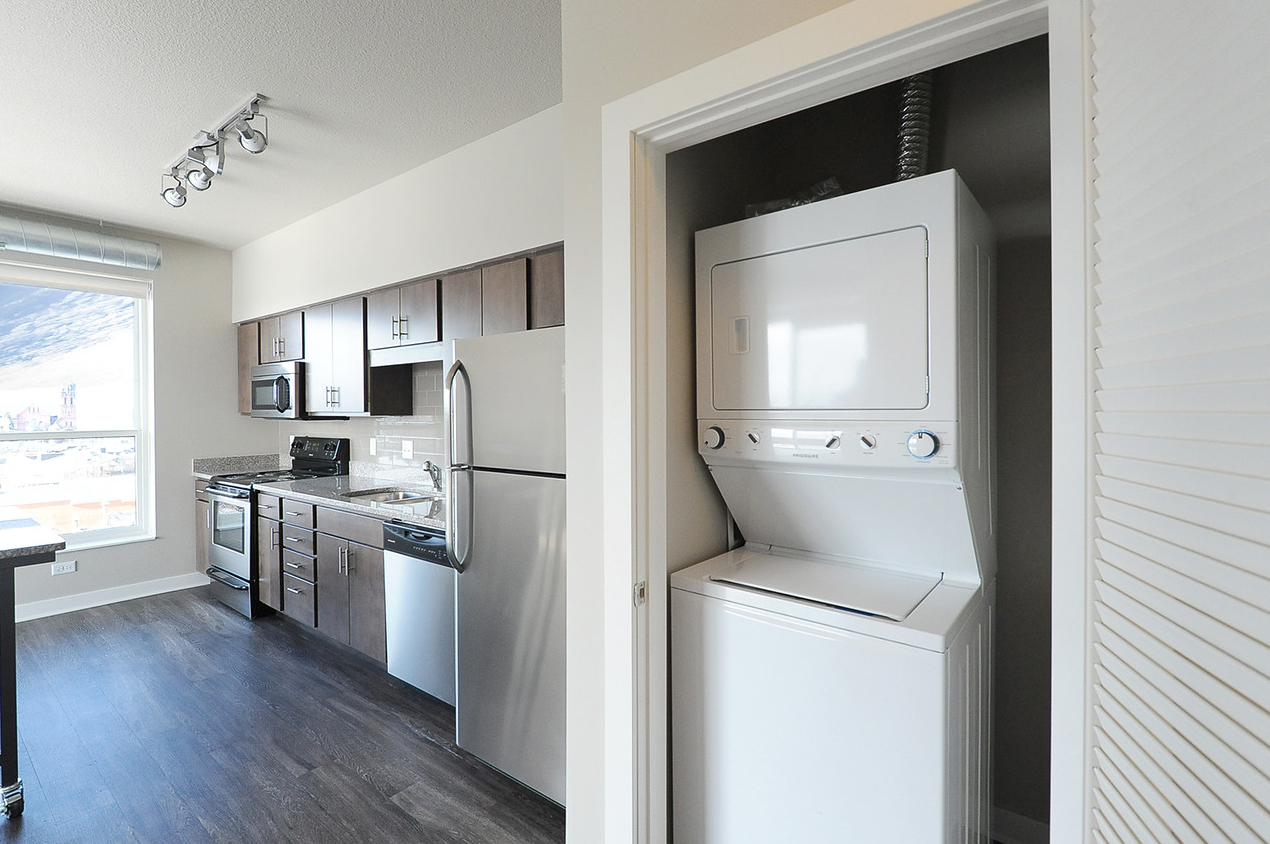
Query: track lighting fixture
{"points": [[206, 159]]}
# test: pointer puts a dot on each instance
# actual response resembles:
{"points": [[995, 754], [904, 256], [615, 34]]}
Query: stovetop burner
{"points": [[311, 457]]}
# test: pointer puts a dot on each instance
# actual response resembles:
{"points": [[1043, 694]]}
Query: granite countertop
{"points": [[205, 467], [333, 492], [22, 538]]}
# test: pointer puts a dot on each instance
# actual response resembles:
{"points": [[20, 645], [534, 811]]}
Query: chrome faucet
{"points": [[434, 472]]}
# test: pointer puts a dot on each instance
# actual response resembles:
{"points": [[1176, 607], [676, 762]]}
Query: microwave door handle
{"points": [[281, 393]]}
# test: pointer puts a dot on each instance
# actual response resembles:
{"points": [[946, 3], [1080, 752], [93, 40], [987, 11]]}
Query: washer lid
{"points": [[887, 594]]}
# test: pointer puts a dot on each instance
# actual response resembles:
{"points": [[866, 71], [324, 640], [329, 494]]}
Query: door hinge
{"points": [[641, 593]]}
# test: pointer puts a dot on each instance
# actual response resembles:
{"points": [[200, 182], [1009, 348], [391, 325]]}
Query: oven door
{"points": [[231, 533]]}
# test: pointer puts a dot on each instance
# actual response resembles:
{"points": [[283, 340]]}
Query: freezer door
{"points": [[508, 396], [511, 620]]}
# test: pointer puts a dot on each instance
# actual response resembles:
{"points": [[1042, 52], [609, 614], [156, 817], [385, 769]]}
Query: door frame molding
{"points": [[858, 46]]}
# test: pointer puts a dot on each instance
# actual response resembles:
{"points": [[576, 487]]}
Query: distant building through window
{"points": [[75, 445]]}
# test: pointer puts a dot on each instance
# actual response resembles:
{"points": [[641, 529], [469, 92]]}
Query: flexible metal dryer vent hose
{"points": [[916, 94]]}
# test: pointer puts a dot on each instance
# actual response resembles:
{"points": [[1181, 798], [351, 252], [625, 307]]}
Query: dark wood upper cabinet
{"points": [[282, 337], [248, 356], [403, 316], [504, 297], [461, 305], [546, 289]]}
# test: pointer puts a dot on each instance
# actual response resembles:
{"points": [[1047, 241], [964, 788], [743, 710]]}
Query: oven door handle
{"points": [[228, 492], [226, 580]]}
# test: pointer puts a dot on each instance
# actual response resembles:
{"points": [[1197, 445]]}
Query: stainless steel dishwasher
{"points": [[419, 589]]}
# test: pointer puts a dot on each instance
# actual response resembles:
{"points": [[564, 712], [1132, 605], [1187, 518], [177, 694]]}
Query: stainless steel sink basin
{"points": [[381, 496]]}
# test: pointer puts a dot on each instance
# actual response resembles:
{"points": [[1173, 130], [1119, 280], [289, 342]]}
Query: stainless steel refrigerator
{"points": [[506, 537]]}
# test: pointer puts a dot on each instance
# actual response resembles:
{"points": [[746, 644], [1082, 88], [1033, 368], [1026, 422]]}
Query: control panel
{"points": [[826, 444]]}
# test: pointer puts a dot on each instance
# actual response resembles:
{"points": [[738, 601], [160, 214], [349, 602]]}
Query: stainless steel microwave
{"points": [[277, 390]]}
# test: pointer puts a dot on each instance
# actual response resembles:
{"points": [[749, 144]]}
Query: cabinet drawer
{"points": [[269, 506], [297, 512], [297, 539], [298, 565], [299, 599], [364, 529]]}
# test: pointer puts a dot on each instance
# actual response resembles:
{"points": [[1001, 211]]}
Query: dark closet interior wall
{"points": [[991, 123]]}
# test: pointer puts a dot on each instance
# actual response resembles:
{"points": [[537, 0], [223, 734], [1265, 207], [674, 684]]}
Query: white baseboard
{"points": [[1011, 828], [113, 595]]}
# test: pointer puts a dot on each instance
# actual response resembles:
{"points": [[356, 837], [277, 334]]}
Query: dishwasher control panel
{"points": [[422, 543]]}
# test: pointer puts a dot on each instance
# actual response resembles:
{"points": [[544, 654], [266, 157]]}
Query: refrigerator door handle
{"points": [[452, 534], [458, 369], [458, 466]]}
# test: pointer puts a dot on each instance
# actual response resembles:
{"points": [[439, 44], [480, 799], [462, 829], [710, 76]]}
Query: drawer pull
{"points": [[292, 565], [293, 512], [293, 591], [294, 538]]}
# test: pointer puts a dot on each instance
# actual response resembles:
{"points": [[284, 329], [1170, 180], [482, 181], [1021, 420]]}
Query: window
{"points": [[75, 387]]}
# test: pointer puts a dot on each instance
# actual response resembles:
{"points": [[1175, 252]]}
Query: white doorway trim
{"points": [[858, 46]]}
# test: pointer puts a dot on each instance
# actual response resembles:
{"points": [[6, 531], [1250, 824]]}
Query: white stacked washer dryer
{"points": [[830, 680]]}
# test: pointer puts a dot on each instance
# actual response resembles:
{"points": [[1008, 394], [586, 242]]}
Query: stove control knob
{"points": [[868, 442], [715, 438], [753, 437], [833, 442], [922, 444]]}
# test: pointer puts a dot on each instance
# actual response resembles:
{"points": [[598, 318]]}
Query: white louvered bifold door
{"points": [[1180, 697]]}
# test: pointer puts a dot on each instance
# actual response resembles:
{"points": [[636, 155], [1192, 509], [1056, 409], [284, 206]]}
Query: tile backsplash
{"points": [[422, 433]]}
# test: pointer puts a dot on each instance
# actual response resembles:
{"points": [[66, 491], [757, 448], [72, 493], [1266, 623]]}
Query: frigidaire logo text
{"points": [[811, 455]]}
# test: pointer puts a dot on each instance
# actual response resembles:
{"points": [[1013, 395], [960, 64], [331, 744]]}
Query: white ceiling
{"points": [[100, 97]]}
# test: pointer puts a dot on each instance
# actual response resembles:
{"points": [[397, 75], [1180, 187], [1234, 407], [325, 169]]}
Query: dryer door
{"points": [[837, 326]]}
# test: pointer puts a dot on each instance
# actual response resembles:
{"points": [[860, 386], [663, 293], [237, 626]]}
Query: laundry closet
{"points": [[990, 124]]}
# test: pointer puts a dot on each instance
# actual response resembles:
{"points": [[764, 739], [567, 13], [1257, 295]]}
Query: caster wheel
{"points": [[15, 808]]}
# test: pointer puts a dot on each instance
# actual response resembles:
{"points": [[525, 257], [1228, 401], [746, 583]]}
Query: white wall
{"points": [[493, 197], [196, 415]]}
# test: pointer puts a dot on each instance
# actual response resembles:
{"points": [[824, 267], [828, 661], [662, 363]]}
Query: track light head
{"points": [[200, 178], [251, 140], [175, 195]]}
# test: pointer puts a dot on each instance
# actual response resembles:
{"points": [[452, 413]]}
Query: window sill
{"points": [[105, 539]]}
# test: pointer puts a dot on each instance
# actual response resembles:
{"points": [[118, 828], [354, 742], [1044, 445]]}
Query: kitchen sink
{"points": [[386, 496]]}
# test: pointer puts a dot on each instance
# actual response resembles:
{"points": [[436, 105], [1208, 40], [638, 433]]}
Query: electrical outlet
{"points": [[64, 567], [408, 449], [372, 446]]}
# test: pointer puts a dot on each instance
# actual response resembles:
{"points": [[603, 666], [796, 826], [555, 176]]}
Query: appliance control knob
{"points": [[715, 438], [868, 442], [753, 437], [833, 442], [922, 444]]}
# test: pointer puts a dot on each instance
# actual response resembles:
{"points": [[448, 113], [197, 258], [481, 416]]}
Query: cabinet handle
{"points": [[335, 396], [273, 538], [291, 565], [293, 591], [293, 539], [395, 333], [292, 512], [282, 346], [404, 322]]}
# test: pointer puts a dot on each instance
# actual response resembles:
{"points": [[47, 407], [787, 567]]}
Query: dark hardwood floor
{"points": [[173, 720]]}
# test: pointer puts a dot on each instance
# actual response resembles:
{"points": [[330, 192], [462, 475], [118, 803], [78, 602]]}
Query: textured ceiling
{"points": [[100, 97]]}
